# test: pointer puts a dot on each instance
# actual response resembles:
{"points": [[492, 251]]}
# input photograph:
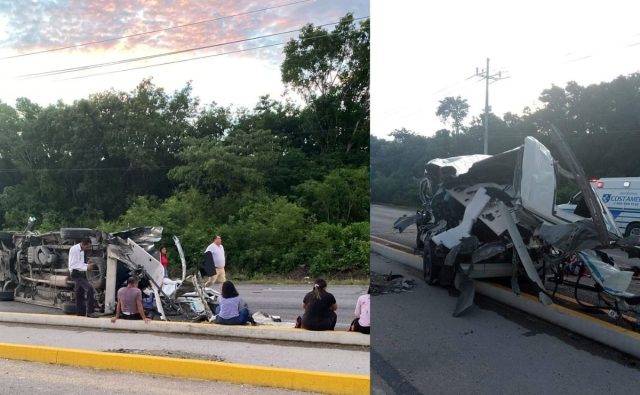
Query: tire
{"points": [[76, 233], [419, 242], [429, 268], [6, 296], [98, 277], [7, 239], [633, 229], [69, 308]]}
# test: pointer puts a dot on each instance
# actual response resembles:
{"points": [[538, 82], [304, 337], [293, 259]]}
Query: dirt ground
{"points": [[169, 354]]}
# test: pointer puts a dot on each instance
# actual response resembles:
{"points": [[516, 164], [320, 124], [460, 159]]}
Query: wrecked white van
{"points": [[495, 216], [34, 269]]}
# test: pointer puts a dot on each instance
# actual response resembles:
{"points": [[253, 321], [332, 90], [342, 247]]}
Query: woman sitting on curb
{"points": [[232, 310], [362, 323], [319, 309]]}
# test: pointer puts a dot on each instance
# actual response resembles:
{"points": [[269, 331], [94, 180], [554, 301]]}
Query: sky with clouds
{"points": [[232, 74], [422, 52]]}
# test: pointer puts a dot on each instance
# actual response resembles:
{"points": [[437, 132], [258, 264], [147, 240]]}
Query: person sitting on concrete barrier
{"points": [[362, 323], [232, 310], [130, 302], [319, 309]]}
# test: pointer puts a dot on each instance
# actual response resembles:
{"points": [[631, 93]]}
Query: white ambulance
{"points": [[622, 198]]}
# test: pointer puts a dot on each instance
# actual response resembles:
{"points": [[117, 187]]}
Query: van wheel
{"points": [[6, 296], [6, 236], [97, 275], [419, 242], [633, 229], [429, 267], [76, 233], [69, 308]]}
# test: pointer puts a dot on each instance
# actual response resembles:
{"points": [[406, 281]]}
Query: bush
{"points": [[266, 236], [342, 197], [336, 248]]}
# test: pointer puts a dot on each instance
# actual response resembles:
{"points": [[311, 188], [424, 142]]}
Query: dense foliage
{"points": [[285, 184], [600, 122]]}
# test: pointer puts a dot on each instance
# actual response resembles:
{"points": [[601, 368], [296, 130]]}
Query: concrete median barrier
{"points": [[205, 329], [619, 338]]}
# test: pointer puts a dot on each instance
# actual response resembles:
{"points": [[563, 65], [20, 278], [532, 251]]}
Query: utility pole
{"points": [[485, 75]]}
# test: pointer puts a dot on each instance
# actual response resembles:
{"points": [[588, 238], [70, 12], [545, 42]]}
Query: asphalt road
{"points": [[382, 219], [38, 378], [286, 300], [494, 349], [273, 299], [417, 347]]}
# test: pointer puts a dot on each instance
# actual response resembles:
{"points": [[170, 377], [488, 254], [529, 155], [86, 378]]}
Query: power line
{"points": [[98, 65], [155, 31], [186, 60], [175, 61]]}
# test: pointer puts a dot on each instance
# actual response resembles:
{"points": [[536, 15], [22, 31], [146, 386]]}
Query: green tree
{"points": [[330, 70], [342, 196], [454, 108]]}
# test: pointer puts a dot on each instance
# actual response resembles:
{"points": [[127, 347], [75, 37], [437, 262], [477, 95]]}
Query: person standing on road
{"points": [[82, 289], [217, 252], [362, 323], [164, 261], [130, 302], [319, 308]]}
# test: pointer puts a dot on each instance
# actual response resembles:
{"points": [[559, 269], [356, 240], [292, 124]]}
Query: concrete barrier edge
{"points": [[603, 332], [301, 380], [260, 332]]}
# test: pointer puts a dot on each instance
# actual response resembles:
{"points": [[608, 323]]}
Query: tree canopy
{"points": [[601, 122], [267, 176], [455, 108]]}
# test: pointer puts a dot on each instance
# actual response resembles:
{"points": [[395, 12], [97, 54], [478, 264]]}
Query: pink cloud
{"points": [[37, 26]]}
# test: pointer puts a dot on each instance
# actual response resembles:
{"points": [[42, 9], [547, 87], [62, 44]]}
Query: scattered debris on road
{"points": [[390, 283]]}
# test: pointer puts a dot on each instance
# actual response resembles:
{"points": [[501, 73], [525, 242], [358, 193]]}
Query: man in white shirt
{"points": [[217, 251], [78, 269]]}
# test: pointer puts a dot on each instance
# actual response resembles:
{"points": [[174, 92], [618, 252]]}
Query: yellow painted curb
{"points": [[302, 380], [577, 314]]}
